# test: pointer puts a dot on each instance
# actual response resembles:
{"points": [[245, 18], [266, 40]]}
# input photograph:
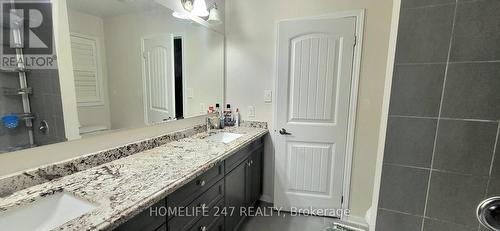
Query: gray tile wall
{"points": [[441, 156], [46, 104], [11, 137]]}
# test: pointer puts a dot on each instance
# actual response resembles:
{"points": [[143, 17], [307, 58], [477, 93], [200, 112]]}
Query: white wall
{"points": [[65, 66], [204, 72], [89, 25], [250, 55], [203, 68]]}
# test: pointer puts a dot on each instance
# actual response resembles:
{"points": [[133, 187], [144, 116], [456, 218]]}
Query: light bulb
{"points": [[214, 17], [180, 15], [200, 8]]}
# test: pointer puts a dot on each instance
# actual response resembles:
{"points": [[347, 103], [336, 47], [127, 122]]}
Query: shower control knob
{"points": [[44, 127], [488, 213]]}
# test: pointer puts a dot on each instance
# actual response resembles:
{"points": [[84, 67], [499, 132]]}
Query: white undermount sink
{"points": [[224, 137], [45, 214]]}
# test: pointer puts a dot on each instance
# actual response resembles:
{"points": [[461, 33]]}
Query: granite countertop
{"points": [[122, 188]]}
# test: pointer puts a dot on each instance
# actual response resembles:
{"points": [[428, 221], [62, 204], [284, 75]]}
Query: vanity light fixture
{"points": [[187, 4], [180, 15], [200, 8], [214, 17]]}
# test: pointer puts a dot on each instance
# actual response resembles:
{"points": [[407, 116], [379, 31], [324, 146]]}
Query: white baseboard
{"points": [[266, 198], [356, 221]]}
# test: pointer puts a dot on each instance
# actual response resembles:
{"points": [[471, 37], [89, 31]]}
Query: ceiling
{"points": [[108, 8]]}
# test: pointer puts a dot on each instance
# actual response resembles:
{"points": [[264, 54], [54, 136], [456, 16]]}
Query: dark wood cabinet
{"points": [[192, 190], [235, 195], [212, 222], [150, 219], [254, 177], [202, 206], [224, 190], [243, 187]]}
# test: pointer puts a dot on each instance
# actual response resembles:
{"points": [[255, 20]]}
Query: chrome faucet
{"points": [[488, 213]]}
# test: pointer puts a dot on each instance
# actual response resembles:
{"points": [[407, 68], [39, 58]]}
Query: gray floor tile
{"points": [[403, 189], [392, 221], [417, 89], [410, 141], [436, 225], [424, 34], [471, 91], [477, 31], [454, 197], [465, 146], [285, 222]]}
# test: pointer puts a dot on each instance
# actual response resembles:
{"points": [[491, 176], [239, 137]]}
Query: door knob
{"points": [[284, 132], [488, 213]]}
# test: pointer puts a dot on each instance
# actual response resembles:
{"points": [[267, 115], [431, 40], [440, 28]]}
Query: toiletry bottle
{"points": [[228, 115], [237, 117], [222, 119], [217, 109], [219, 117]]}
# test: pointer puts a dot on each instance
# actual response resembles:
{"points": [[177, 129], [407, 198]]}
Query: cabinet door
{"points": [[235, 195], [144, 221], [254, 177]]}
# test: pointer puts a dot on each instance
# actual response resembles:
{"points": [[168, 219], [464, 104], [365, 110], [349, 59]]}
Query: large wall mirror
{"points": [[133, 64]]}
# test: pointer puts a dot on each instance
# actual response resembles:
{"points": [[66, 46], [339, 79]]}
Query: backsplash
{"points": [[254, 124]]}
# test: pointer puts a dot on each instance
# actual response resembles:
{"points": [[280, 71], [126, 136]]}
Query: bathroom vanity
{"points": [[127, 167], [186, 169], [213, 200]]}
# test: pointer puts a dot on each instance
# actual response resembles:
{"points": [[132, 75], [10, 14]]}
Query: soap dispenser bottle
{"points": [[237, 117]]}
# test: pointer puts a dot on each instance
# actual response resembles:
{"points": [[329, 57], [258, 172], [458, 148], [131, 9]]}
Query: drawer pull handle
{"points": [[201, 183], [203, 228]]}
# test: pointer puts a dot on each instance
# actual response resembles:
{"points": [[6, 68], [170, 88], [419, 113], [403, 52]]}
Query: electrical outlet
{"points": [[268, 96], [251, 111]]}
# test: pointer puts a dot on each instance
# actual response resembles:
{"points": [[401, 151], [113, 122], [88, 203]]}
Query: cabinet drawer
{"points": [[208, 199], [192, 190], [241, 155], [213, 222], [144, 221]]}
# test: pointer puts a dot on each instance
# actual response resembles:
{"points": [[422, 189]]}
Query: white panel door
{"points": [[158, 78], [314, 85]]}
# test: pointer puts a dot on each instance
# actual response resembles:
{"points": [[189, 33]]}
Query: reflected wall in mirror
{"points": [[133, 65]]}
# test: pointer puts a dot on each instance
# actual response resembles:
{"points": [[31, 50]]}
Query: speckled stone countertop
{"points": [[122, 188]]}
